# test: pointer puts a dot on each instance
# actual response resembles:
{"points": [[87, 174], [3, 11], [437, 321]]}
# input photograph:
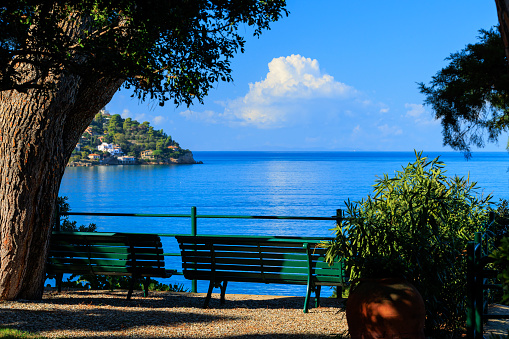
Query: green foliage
{"points": [[102, 282], [130, 135], [8, 333], [164, 49], [501, 263], [471, 94], [68, 225], [416, 225]]}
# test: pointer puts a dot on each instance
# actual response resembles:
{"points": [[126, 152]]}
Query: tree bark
{"points": [[39, 129], [38, 132], [503, 20]]}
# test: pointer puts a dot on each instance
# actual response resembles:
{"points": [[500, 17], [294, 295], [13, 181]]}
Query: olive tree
{"points": [[62, 61]]}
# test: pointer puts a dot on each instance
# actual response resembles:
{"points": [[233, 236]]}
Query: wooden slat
{"points": [[247, 268], [247, 249], [80, 269], [83, 250], [257, 260], [207, 257], [106, 253], [249, 277], [87, 262], [250, 261], [84, 255]]}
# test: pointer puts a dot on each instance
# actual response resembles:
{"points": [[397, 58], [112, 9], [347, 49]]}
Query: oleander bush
{"points": [[416, 225]]}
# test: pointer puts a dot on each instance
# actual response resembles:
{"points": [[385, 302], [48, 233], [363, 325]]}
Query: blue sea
{"points": [[252, 183]]}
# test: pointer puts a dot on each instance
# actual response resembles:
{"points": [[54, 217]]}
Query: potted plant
{"points": [[411, 232]]}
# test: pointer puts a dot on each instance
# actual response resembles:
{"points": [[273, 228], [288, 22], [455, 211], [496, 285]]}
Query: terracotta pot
{"points": [[385, 308]]}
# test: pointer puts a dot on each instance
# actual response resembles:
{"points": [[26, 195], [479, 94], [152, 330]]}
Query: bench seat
{"points": [[281, 260], [96, 253]]}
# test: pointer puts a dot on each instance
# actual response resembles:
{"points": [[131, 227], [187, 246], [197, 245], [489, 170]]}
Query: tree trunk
{"points": [[503, 19], [38, 132]]}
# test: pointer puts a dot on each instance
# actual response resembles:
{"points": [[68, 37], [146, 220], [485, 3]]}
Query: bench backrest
{"points": [[258, 259], [106, 253]]}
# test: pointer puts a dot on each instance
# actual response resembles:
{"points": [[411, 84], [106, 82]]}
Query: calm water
{"points": [[251, 183]]}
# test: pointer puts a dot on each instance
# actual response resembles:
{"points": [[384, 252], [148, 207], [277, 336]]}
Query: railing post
{"points": [[193, 220], [339, 219], [478, 241], [470, 292], [194, 283], [478, 283], [339, 215]]}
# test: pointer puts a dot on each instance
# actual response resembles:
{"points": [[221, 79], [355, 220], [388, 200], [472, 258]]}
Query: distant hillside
{"points": [[130, 138]]}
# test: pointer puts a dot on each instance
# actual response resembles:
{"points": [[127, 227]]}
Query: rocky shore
{"points": [[185, 159]]}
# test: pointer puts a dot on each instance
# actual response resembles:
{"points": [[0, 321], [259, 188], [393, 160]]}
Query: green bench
{"points": [[281, 260], [120, 254]]}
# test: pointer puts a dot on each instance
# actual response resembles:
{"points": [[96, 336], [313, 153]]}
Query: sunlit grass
{"points": [[9, 333]]}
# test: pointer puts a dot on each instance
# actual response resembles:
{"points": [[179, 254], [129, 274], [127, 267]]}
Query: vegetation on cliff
{"points": [[131, 138]]}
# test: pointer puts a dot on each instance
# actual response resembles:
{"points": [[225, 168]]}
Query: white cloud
{"points": [[126, 113], [414, 110], [289, 93], [420, 115], [387, 130], [296, 77], [206, 116], [142, 117], [158, 120]]}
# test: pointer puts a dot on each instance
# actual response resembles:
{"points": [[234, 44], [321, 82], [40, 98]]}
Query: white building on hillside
{"points": [[112, 149], [126, 160]]}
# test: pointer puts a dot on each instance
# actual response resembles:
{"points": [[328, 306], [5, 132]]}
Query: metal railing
{"points": [[194, 222], [480, 281]]}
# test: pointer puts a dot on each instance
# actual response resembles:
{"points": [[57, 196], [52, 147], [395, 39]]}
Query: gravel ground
{"points": [[100, 314]]}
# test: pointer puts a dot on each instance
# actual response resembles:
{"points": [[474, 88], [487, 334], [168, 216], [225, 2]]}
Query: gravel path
{"points": [[100, 314]]}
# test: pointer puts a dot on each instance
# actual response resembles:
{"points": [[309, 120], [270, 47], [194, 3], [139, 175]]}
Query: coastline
{"points": [[185, 159]]}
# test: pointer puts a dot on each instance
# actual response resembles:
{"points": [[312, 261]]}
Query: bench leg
{"points": [[58, 279], [213, 284], [209, 294], [317, 295], [145, 286], [223, 292], [131, 287], [339, 292], [308, 295]]}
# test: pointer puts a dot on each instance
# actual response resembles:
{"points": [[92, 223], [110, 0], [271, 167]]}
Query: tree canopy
{"points": [[162, 49], [62, 61], [471, 95]]}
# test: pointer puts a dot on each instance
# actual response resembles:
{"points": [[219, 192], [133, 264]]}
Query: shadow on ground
{"points": [[89, 313]]}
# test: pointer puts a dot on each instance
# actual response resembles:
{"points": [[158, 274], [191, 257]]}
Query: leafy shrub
{"points": [[102, 282], [416, 225], [501, 262], [68, 225]]}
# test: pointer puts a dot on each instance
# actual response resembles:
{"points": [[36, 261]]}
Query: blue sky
{"points": [[334, 75]]}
